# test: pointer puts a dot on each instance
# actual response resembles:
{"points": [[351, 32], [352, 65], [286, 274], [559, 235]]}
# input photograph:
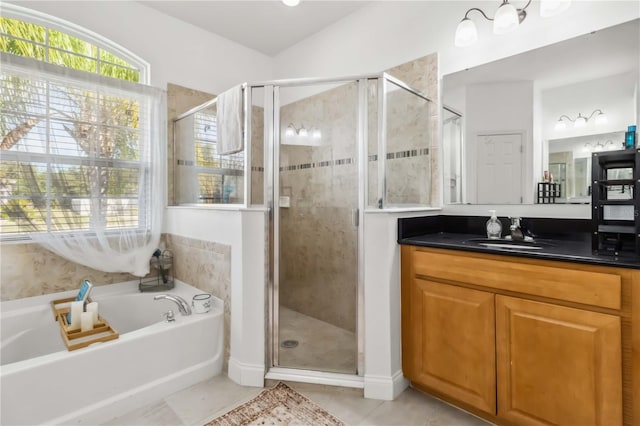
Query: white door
{"points": [[499, 168]]}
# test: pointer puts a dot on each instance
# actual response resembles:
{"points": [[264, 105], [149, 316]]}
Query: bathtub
{"points": [[43, 383]]}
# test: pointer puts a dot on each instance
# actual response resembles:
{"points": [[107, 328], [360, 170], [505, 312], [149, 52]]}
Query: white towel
{"points": [[229, 121]]}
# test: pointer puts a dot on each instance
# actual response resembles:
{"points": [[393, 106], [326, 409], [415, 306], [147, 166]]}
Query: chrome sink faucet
{"points": [[183, 306], [516, 230]]}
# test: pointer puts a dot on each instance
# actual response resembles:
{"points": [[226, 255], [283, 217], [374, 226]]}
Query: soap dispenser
{"points": [[494, 227]]}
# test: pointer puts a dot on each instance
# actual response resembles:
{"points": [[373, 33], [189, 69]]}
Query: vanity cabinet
{"points": [[522, 341]]}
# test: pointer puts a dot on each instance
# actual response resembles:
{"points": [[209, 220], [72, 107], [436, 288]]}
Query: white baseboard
{"points": [[384, 387], [246, 374], [316, 377]]}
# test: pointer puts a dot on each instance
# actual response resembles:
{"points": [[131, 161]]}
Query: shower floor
{"points": [[321, 346]]}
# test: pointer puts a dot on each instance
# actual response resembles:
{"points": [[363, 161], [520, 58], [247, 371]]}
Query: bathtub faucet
{"points": [[183, 306]]}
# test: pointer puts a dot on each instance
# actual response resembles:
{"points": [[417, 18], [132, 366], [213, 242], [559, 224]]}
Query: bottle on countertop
{"points": [[494, 226], [630, 137]]}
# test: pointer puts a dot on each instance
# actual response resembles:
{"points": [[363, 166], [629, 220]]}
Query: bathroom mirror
{"points": [[500, 133]]}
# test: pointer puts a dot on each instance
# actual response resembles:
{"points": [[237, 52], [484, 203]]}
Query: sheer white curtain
{"points": [[87, 159]]}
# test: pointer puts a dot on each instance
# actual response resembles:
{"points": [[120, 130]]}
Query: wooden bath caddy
{"points": [[76, 339]]}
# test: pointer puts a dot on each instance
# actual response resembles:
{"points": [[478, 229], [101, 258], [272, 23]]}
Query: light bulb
{"points": [[316, 134], [289, 132], [601, 118], [466, 33], [553, 7], [506, 19], [303, 133], [291, 2], [561, 125], [580, 121]]}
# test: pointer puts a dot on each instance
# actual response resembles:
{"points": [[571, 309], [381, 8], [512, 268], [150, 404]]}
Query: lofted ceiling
{"points": [[267, 26]]}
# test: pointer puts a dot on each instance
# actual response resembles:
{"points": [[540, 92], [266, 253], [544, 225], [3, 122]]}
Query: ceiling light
{"points": [[291, 2], [550, 8], [507, 18]]}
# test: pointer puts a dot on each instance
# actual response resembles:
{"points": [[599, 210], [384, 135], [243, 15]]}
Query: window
{"points": [[76, 129], [220, 177], [203, 175]]}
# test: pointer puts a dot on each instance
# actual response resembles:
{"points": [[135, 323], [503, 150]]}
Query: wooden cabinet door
{"points": [[450, 339], [557, 365]]}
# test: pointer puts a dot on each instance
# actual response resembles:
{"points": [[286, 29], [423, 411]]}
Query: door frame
{"points": [[272, 198]]}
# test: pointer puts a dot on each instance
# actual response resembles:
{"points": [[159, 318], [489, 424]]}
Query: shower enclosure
{"points": [[319, 152]]}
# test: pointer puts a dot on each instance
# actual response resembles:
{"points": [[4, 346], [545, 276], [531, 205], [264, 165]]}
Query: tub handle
{"points": [[170, 316]]}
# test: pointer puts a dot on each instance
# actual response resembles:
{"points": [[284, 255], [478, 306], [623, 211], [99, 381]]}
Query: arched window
{"points": [[82, 147]]}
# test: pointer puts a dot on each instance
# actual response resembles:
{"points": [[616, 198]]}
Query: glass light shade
{"points": [[316, 134], [466, 33], [289, 132], [601, 118], [291, 2], [561, 125], [506, 19], [303, 133], [553, 7], [580, 121]]}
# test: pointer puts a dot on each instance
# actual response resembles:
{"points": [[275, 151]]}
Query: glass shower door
{"points": [[315, 216]]}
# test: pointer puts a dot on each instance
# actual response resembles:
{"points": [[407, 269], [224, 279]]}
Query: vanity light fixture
{"points": [[599, 146], [581, 120], [301, 136], [506, 19]]}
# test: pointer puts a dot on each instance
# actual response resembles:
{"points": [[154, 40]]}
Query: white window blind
{"points": [[76, 154], [220, 178]]}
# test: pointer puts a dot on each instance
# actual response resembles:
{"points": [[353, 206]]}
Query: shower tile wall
{"points": [[412, 137], [257, 155], [318, 239], [422, 74]]}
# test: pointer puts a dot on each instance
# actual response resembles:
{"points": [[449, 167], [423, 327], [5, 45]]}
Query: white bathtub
{"points": [[43, 383]]}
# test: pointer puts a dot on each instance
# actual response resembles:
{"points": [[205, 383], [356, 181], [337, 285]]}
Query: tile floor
{"points": [[206, 400], [321, 346]]}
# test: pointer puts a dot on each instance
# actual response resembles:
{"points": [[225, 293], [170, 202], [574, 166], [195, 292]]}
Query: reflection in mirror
{"points": [[569, 163], [509, 110]]}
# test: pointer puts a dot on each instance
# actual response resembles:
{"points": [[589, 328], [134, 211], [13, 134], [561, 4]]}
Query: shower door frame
{"points": [[272, 194], [272, 191]]}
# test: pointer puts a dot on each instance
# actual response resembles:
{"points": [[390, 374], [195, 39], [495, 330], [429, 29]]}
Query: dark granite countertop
{"points": [[564, 241]]}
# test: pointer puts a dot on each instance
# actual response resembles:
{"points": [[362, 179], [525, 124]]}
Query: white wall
{"points": [[613, 95], [384, 34], [178, 52]]}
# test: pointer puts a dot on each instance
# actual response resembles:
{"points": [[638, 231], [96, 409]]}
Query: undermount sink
{"points": [[505, 244]]}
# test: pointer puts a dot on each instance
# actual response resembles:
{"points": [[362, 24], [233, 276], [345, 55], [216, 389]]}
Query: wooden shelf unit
{"points": [[611, 235]]}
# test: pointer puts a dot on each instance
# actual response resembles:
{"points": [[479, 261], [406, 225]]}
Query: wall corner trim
{"points": [[246, 374], [385, 388]]}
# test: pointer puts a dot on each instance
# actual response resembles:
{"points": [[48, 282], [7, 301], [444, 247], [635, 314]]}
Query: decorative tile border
{"points": [[347, 161]]}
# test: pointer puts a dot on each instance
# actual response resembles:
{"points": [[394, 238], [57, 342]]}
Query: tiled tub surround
{"points": [[29, 270], [205, 265]]}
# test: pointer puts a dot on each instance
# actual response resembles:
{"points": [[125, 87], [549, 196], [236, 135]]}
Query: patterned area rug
{"points": [[279, 405]]}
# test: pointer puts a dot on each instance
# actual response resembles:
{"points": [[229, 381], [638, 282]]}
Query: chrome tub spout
{"points": [[183, 306]]}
